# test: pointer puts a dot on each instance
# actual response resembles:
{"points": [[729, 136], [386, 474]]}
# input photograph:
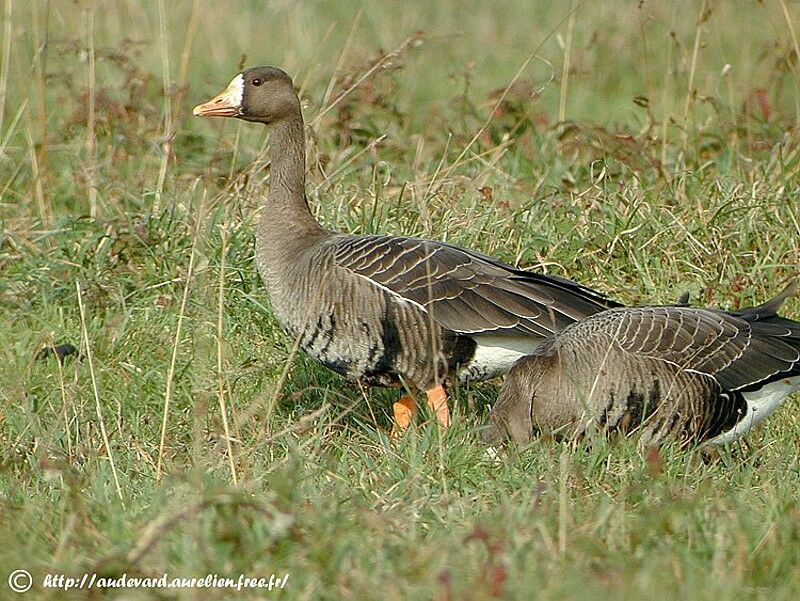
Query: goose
{"points": [[667, 373], [386, 310]]}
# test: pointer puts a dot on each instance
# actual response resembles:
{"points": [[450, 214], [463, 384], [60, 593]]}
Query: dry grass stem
{"points": [[178, 332], [221, 378], [5, 59], [91, 136], [562, 101], [98, 408]]}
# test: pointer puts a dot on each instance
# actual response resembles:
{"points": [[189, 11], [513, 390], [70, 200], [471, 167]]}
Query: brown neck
{"points": [[286, 222]]}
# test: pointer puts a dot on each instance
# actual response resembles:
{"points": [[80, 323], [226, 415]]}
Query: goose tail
{"points": [[770, 308]]}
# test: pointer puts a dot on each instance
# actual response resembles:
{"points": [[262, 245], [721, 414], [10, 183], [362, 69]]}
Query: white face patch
{"points": [[234, 93], [226, 104]]}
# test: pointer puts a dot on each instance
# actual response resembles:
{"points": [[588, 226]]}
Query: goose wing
{"points": [[465, 291], [742, 350]]}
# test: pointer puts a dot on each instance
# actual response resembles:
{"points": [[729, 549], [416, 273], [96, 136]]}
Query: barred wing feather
{"points": [[467, 292]]}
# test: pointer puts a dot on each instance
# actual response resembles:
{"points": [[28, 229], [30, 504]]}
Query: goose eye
{"points": [[257, 82]]}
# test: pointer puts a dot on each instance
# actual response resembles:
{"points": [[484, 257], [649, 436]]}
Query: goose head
{"points": [[511, 418], [260, 94]]}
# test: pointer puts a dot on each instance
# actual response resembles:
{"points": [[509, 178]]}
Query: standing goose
{"points": [[386, 310], [668, 373]]}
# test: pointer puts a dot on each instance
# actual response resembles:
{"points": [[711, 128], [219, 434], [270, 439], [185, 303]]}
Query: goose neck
{"points": [[285, 215]]}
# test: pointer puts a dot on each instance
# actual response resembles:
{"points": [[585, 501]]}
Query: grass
{"points": [[651, 185]]}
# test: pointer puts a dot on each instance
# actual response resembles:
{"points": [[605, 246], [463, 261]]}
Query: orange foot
{"points": [[437, 401], [404, 410]]}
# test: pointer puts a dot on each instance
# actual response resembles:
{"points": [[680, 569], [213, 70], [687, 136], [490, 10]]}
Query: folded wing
{"points": [[742, 350], [467, 292]]}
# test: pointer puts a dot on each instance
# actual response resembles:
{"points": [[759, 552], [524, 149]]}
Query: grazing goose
{"points": [[386, 310], [669, 373]]}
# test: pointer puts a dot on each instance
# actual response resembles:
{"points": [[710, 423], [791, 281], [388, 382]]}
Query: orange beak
{"points": [[226, 104]]}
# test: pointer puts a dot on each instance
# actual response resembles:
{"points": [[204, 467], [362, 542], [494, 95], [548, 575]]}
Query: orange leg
{"points": [[404, 410], [437, 401]]}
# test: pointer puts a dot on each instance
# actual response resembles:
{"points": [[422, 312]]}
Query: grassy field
{"points": [[642, 149]]}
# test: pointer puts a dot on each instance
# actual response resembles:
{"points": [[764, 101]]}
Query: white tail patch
{"points": [[761, 404], [496, 354]]}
